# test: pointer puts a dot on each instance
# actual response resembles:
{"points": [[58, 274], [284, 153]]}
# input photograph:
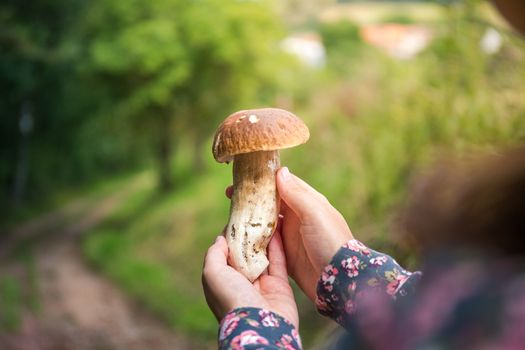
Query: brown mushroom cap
{"points": [[265, 129]]}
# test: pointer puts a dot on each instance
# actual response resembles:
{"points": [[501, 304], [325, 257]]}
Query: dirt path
{"points": [[79, 309]]}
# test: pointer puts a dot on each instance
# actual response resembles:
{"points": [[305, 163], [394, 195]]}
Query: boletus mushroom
{"points": [[252, 139]]}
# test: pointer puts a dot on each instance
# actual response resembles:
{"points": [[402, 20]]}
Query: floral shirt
{"points": [[253, 328], [465, 300], [358, 276], [354, 269]]}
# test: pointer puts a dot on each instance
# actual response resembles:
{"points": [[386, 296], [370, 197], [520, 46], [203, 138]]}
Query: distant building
{"points": [[491, 42], [308, 47], [398, 40], [369, 12]]}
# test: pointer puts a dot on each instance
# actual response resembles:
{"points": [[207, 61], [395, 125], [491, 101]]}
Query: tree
{"points": [[30, 38], [175, 67]]}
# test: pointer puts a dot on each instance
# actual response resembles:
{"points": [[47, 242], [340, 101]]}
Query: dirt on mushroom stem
{"points": [[254, 211]]}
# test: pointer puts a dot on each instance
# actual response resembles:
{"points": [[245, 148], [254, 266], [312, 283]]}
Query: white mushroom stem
{"points": [[254, 211]]}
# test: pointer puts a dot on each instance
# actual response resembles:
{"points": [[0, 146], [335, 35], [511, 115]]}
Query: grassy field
{"points": [[374, 125]]}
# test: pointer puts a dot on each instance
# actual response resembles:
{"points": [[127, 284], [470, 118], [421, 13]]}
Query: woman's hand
{"points": [[312, 230], [226, 289]]}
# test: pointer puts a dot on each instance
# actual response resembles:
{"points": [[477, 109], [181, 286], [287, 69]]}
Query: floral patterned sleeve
{"points": [[355, 269], [254, 328]]}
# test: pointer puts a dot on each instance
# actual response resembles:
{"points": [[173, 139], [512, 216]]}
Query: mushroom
{"points": [[252, 139]]}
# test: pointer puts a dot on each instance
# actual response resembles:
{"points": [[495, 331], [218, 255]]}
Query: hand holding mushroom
{"points": [[252, 138], [312, 230], [226, 289]]}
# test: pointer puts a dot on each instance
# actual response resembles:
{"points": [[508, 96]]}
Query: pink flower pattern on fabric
{"points": [[228, 325], [351, 266], [254, 328], [268, 319], [247, 338], [379, 260], [286, 342], [354, 273], [362, 270], [328, 277], [356, 246], [296, 337], [394, 286]]}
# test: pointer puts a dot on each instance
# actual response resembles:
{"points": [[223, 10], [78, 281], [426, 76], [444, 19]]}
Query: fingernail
{"points": [[285, 173], [217, 239]]}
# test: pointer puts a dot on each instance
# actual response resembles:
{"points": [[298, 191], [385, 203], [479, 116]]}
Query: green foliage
{"points": [[68, 144], [177, 67], [452, 98], [153, 247], [108, 82], [342, 35], [399, 18], [342, 43], [10, 304]]}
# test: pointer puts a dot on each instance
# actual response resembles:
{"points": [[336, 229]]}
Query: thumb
{"points": [[300, 197], [277, 266]]}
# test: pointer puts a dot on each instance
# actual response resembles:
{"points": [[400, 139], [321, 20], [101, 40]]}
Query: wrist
{"points": [[337, 244], [333, 246]]}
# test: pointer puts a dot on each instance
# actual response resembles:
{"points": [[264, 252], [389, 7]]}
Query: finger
{"points": [[229, 191], [218, 253], [300, 197], [277, 266]]}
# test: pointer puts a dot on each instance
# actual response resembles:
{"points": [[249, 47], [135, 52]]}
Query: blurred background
{"points": [[109, 194]]}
